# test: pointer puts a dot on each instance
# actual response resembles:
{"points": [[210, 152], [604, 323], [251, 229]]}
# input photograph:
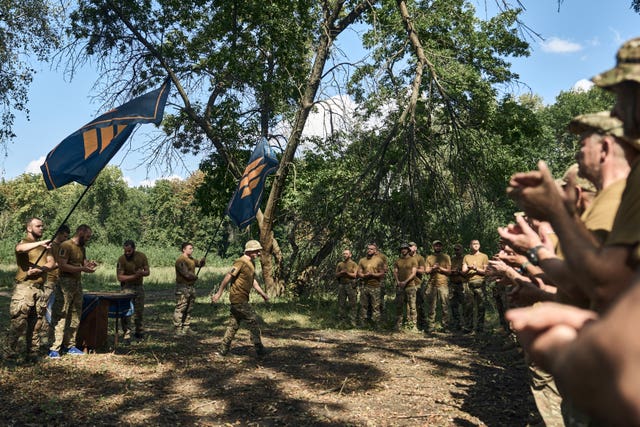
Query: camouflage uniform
{"points": [[459, 293], [437, 291], [242, 273], [129, 267], [347, 292], [67, 308], [406, 296], [185, 292], [477, 290], [24, 309], [370, 292]]}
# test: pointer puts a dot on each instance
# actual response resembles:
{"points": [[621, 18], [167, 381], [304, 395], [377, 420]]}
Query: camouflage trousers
{"points": [[499, 294], [406, 297], [241, 312], [67, 311], [369, 300], [546, 395], [477, 303], [348, 301], [434, 296], [459, 301], [185, 299], [23, 311], [138, 310], [43, 328]]}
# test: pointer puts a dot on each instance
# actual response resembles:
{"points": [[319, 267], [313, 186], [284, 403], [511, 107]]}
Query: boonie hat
{"points": [[252, 245], [603, 123], [627, 66]]}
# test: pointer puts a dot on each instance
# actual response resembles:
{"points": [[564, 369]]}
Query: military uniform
{"points": [[185, 292], [347, 292], [406, 296], [370, 292], [24, 308], [459, 293], [67, 309], [477, 290], [383, 287], [42, 327], [437, 291], [128, 267], [242, 276]]}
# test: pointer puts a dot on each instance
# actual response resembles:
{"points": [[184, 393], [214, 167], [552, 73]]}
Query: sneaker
{"points": [[74, 351], [54, 354]]}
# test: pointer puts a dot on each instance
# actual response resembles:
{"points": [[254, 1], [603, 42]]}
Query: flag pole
{"points": [[64, 221], [211, 242]]}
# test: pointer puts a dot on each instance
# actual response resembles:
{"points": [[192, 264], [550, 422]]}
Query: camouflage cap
{"points": [[436, 242], [404, 245], [583, 183], [602, 123], [627, 66]]}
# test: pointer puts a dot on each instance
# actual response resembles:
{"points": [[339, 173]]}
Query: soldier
{"points": [[372, 270], [346, 271], [185, 289], [383, 287], [33, 266], [131, 270], [438, 265], [420, 286], [459, 290], [474, 266], [242, 278], [404, 272], [42, 325], [72, 262]]}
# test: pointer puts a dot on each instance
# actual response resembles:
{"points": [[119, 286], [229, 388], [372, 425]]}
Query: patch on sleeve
{"points": [[62, 252], [233, 270]]}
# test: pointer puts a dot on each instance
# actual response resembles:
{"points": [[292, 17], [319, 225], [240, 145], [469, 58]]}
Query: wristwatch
{"points": [[532, 254]]}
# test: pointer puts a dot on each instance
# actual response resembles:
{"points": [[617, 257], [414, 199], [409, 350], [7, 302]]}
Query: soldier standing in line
{"points": [[132, 268], [438, 265], [404, 271], [346, 272], [474, 266], [372, 270], [458, 288], [185, 289]]}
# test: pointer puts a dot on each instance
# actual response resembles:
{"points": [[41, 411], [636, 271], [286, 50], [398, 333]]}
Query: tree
{"points": [[27, 30]]}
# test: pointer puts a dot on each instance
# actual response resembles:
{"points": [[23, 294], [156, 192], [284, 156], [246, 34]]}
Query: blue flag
{"points": [[245, 202], [82, 155]]}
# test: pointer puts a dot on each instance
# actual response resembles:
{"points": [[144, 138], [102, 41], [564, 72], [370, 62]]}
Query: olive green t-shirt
{"points": [[443, 260], [349, 266], [75, 256], [185, 264], [404, 267], [25, 260], [375, 264], [129, 267], [242, 273], [480, 260]]}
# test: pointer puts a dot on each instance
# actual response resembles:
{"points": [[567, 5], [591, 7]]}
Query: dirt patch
{"points": [[309, 377]]}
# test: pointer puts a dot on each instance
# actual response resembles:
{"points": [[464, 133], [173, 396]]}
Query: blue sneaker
{"points": [[54, 354], [74, 351]]}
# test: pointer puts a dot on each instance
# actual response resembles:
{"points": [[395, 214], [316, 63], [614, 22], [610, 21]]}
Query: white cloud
{"points": [[582, 85], [557, 45], [34, 165]]}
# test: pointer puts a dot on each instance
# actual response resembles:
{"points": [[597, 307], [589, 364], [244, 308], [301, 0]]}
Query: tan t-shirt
{"points": [[375, 264], [349, 266], [480, 260], [625, 230], [600, 215], [75, 255], [25, 260], [421, 263], [129, 267], [185, 264], [404, 267], [242, 273], [443, 260]]}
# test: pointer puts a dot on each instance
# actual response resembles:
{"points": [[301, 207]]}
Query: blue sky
{"points": [[579, 40]]}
